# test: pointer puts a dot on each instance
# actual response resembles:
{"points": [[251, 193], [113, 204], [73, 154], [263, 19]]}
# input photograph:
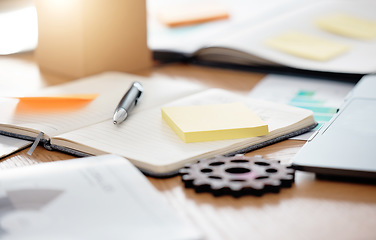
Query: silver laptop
{"points": [[345, 146]]}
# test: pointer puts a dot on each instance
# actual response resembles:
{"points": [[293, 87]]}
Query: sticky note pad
{"points": [[348, 26], [192, 13], [54, 103], [214, 122], [306, 46], [68, 97]]}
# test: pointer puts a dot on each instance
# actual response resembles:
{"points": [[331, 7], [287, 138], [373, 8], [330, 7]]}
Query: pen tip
{"points": [[115, 122]]}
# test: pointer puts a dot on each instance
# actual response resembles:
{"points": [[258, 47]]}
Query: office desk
{"points": [[311, 209]]}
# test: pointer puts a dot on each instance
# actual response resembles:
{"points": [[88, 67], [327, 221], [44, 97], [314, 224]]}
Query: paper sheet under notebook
{"points": [[9, 145], [323, 97]]}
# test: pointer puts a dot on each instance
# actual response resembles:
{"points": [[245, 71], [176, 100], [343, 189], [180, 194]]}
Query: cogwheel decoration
{"points": [[238, 175]]}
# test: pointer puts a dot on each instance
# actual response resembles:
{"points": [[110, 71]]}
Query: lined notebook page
{"points": [[146, 140], [110, 87]]}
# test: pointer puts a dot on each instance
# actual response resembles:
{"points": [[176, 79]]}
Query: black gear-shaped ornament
{"points": [[237, 175]]}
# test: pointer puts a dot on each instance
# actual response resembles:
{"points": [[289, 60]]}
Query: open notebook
{"points": [[244, 39], [144, 138]]}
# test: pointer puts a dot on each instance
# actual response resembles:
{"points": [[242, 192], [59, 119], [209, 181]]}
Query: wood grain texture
{"points": [[311, 209]]}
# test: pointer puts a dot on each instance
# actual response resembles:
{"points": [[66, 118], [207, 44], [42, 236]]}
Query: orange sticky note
{"points": [[69, 97], [54, 103], [192, 13]]}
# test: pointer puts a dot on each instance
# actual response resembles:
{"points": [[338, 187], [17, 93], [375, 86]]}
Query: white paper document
{"points": [[322, 97], [102, 197]]}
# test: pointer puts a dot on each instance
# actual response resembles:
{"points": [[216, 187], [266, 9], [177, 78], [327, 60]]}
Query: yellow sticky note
{"points": [[348, 26], [214, 122], [306, 46]]}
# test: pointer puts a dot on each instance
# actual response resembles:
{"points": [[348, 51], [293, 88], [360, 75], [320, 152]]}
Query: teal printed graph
{"points": [[321, 112]]}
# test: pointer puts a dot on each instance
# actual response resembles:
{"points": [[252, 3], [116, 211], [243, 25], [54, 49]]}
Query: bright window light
{"points": [[18, 30]]}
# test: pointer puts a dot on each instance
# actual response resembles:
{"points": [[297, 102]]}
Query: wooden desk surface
{"points": [[311, 209]]}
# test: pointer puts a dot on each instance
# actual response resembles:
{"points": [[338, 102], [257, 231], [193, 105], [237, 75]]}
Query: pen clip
{"points": [[140, 91]]}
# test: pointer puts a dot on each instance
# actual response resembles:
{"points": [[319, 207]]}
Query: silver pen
{"points": [[128, 102]]}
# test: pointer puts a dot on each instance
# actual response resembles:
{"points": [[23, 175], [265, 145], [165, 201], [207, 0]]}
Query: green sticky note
{"points": [[214, 122], [307, 46]]}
